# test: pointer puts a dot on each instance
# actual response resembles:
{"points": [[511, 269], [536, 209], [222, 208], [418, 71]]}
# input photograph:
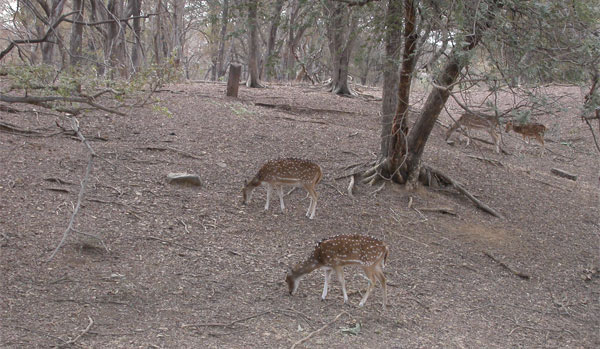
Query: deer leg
{"points": [[340, 275], [313, 201], [280, 191], [269, 190], [496, 141], [326, 286], [381, 277], [372, 282]]}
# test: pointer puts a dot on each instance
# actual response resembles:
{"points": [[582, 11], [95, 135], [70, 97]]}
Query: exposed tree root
{"points": [[461, 189]]}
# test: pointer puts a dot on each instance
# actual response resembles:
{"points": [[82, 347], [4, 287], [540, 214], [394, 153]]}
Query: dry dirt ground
{"points": [[191, 267]]}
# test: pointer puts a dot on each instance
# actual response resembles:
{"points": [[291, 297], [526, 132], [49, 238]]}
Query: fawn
{"points": [[529, 131], [334, 253], [290, 171], [469, 121]]}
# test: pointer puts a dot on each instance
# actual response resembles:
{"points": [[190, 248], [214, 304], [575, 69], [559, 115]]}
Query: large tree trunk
{"points": [[76, 41], [52, 13], [341, 32], [393, 23], [444, 82], [401, 151], [178, 37], [399, 133], [253, 80]]}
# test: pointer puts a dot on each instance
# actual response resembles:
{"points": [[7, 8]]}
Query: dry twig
{"points": [[75, 125], [505, 266], [318, 330], [86, 330]]}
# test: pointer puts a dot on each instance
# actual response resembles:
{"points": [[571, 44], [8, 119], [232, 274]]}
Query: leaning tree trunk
{"points": [[444, 82], [253, 80]]}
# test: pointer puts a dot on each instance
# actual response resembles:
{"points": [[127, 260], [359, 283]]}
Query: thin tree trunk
{"points": [[221, 54], [270, 61], [178, 38], [76, 41], [136, 47]]}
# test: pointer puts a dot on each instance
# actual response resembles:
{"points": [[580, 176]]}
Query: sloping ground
{"points": [[193, 268]]}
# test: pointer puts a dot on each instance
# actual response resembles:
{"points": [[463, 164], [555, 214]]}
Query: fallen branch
{"points": [[220, 324], [43, 100], [290, 108], [563, 174], [460, 188], [171, 149], [75, 126], [502, 264], [491, 161], [446, 210], [86, 330], [300, 120], [318, 330]]}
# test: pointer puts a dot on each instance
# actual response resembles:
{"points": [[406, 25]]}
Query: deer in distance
{"points": [[529, 131], [334, 253], [469, 121], [275, 174]]}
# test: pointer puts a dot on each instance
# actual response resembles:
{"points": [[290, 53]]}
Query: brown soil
{"points": [[191, 267]]}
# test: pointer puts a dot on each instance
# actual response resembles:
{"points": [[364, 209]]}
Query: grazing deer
{"points": [[529, 131], [468, 121], [290, 171], [334, 253]]}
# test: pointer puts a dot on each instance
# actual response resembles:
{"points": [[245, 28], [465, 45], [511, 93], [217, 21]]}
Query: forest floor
{"points": [[192, 267]]}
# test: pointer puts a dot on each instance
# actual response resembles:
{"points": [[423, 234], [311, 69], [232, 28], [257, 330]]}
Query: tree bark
{"points": [[53, 13], [393, 23], [253, 80], [271, 60], [233, 82], [178, 36], [341, 33], [398, 144], [134, 10], [437, 98], [76, 41], [221, 54]]}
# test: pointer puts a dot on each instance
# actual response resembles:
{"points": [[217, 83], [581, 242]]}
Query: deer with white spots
{"points": [[276, 174], [334, 253], [529, 131], [469, 121]]}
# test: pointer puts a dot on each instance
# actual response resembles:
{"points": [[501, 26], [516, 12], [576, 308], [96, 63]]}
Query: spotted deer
{"points": [[276, 174], [334, 253], [529, 131], [469, 121]]}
